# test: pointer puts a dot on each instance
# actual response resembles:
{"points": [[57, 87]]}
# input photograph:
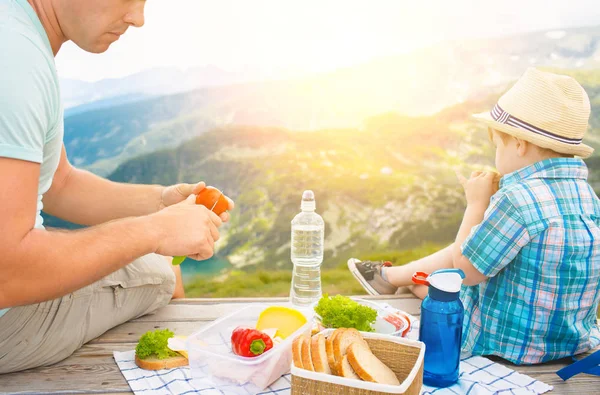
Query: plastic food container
{"points": [[210, 352], [389, 321]]}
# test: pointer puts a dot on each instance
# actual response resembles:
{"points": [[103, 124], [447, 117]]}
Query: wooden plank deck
{"points": [[92, 369]]}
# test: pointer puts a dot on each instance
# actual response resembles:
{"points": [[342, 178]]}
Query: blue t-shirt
{"points": [[31, 114], [539, 244]]}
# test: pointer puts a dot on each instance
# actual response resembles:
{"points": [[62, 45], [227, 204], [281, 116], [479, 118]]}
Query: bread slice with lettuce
{"points": [[153, 353]]}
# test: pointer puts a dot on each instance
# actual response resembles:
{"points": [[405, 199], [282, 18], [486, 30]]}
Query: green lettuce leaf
{"points": [[343, 312], [154, 343]]}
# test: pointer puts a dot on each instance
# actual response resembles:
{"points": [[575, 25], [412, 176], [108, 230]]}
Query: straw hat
{"points": [[546, 109]]}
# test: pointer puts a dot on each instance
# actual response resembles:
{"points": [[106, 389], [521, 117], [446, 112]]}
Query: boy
{"points": [[531, 250]]}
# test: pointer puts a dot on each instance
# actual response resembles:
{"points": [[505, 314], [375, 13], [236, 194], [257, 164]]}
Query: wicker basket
{"points": [[403, 356]]}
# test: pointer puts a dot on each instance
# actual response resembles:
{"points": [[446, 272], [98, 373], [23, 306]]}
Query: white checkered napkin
{"points": [[480, 376], [179, 381]]}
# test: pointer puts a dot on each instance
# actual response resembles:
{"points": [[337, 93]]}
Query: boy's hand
{"points": [[479, 188]]}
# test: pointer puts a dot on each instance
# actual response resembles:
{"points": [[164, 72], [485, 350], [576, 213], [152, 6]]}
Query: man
{"points": [[60, 289]]}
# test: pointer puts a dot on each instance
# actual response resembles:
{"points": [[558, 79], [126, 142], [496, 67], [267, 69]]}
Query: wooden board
{"points": [[92, 370]]}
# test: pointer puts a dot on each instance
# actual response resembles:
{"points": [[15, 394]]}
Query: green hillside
{"points": [[384, 190]]}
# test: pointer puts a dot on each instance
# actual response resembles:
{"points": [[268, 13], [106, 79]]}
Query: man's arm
{"points": [[38, 265], [83, 198]]}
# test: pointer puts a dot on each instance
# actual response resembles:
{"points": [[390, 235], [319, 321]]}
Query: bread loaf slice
{"points": [[158, 364], [342, 341], [346, 369], [306, 358], [368, 367], [297, 351], [329, 348], [318, 353]]}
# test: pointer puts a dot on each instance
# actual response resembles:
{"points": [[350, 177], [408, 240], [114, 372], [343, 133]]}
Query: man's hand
{"points": [[187, 229], [179, 192], [479, 188]]}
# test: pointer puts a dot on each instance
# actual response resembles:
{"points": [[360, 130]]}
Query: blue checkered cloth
{"points": [[539, 244], [479, 376], [179, 381]]}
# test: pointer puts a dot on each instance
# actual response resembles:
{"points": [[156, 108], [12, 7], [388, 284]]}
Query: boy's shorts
{"points": [[44, 333]]}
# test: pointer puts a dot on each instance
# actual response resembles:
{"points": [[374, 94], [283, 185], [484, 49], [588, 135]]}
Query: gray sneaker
{"points": [[368, 274]]}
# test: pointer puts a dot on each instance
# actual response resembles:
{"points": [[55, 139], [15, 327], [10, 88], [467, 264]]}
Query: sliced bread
{"points": [[306, 358], [158, 364], [343, 341], [368, 367], [346, 369], [318, 353], [297, 351], [329, 348]]}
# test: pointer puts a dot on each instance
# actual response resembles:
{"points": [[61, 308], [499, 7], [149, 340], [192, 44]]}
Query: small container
{"points": [[405, 358], [210, 352], [389, 321], [442, 316]]}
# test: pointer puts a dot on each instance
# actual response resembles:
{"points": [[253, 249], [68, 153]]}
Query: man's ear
{"points": [[522, 146]]}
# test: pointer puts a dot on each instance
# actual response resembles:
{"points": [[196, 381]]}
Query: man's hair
{"points": [[505, 137]]}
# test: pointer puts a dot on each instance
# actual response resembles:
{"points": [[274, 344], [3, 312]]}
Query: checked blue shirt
{"points": [[539, 244]]}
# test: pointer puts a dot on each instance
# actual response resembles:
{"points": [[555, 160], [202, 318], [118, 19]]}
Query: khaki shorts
{"points": [[44, 333]]}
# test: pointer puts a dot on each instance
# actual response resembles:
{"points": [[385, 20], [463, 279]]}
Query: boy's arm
{"points": [[491, 235], [478, 190], [473, 216]]}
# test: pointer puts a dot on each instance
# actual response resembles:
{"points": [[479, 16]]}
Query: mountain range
{"points": [[378, 143], [390, 185], [148, 83], [419, 83]]}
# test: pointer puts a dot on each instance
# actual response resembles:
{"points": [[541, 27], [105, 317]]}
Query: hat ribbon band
{"points": [[501, 116]]}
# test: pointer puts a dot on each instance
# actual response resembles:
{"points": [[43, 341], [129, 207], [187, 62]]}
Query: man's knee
{"points": [[153, 270], [143, 286], [152, 264]]}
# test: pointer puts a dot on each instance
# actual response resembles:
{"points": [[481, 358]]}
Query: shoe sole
{"points": [[352, 267]]}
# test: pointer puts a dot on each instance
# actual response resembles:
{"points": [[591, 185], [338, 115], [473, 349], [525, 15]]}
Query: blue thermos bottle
{"points": [[441, 325]]}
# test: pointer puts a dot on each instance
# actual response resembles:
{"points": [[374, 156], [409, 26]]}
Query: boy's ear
{"points": [[522, 146]]}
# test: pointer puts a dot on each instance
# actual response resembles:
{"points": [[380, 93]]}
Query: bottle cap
{"points": [[308, 201], [447, 280], [443, 284]]}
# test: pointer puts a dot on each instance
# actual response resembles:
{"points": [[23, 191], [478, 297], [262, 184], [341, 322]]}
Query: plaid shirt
{"points": [[539, 244]]}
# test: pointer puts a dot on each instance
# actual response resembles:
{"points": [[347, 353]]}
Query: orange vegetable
{"points": [[209, 196]]}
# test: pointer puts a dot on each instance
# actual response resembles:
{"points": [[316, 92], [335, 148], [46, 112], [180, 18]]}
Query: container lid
{"points": [[447, 280]]}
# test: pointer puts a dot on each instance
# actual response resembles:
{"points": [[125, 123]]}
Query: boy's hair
{"points": [[505, 137]]}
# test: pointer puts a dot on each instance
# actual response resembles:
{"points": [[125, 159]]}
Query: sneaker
{"points": [[368, 274]]}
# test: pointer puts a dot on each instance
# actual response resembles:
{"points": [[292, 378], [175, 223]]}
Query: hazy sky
{"points": [[308, 35]]}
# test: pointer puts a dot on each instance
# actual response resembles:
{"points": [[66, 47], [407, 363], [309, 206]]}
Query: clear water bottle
{"points": [[442, 315], [308, 230]]}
